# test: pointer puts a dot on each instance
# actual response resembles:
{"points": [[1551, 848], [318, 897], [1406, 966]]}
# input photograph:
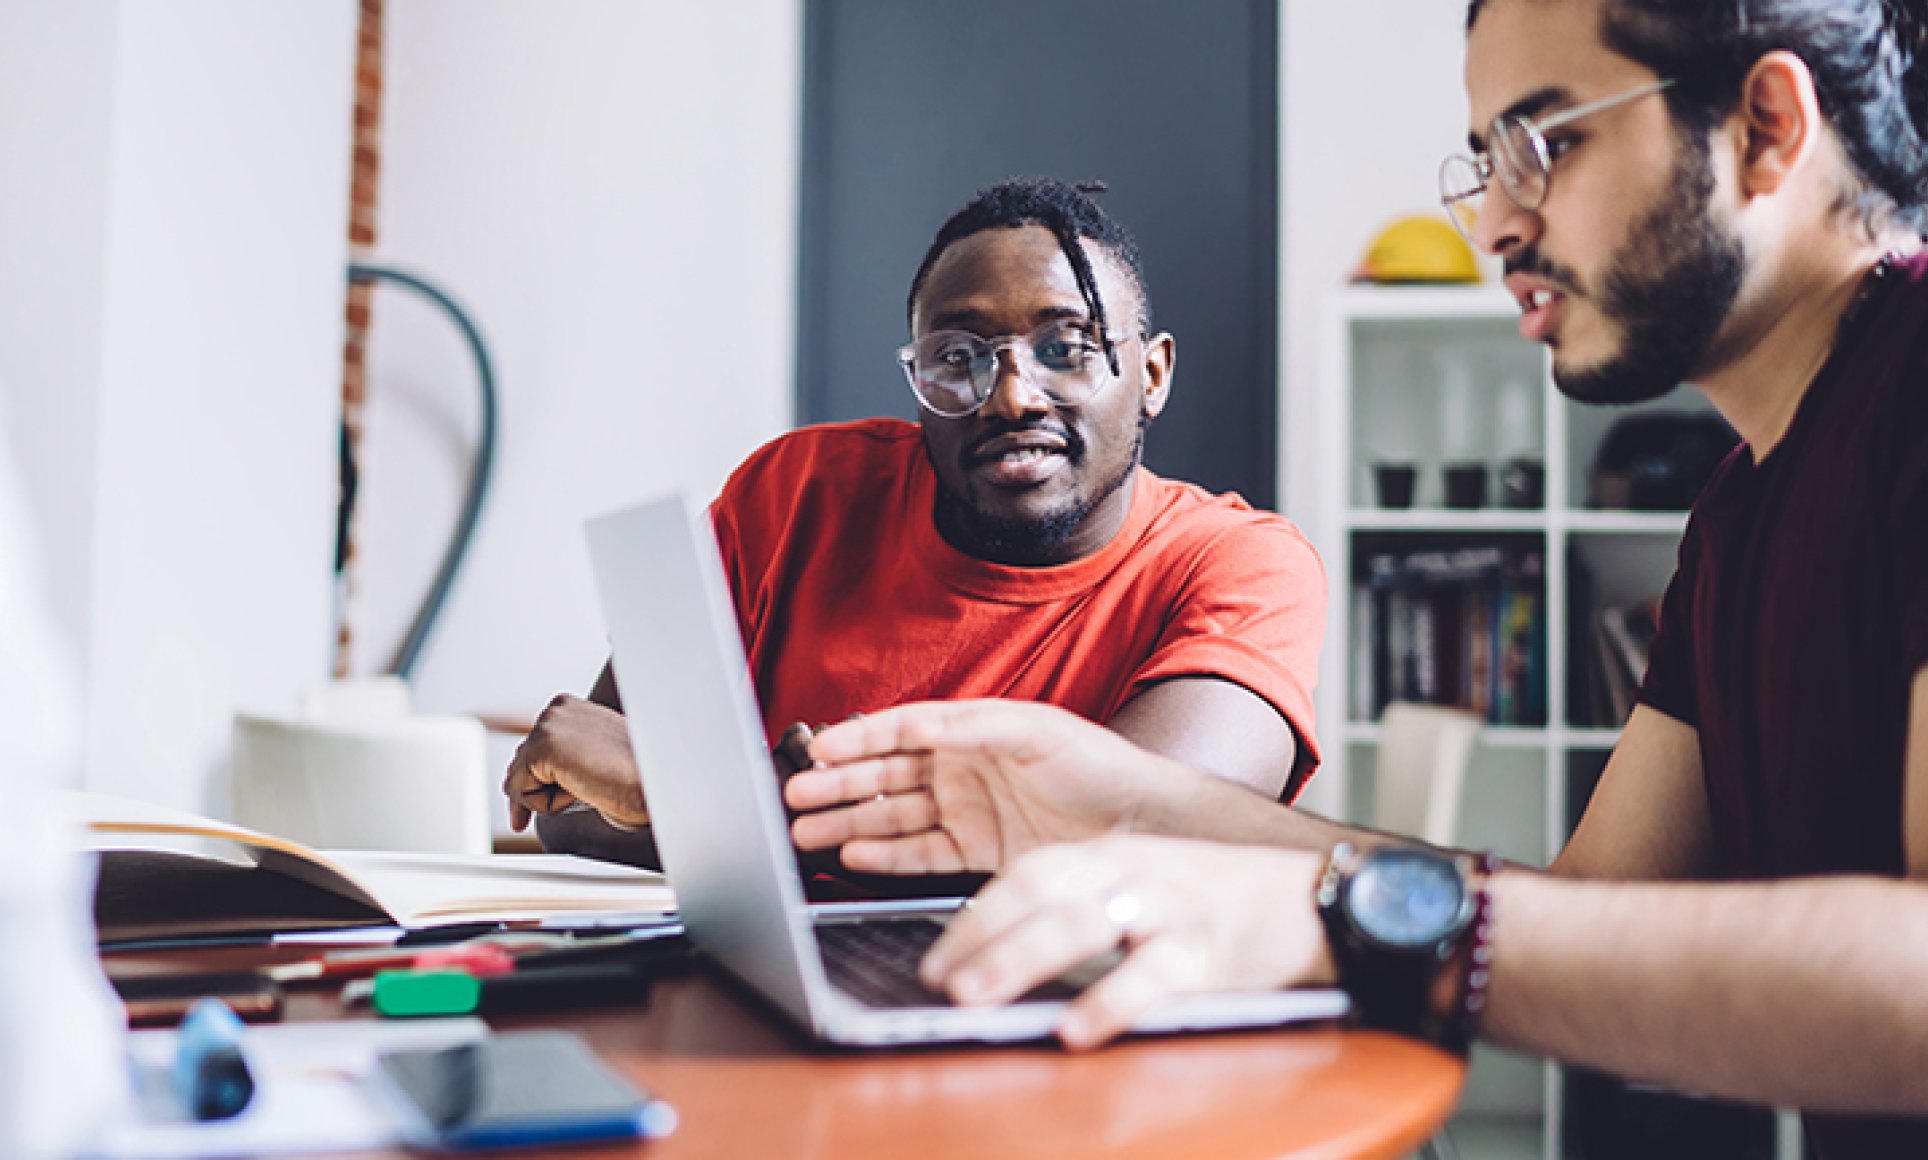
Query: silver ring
{"points": [[1123, 910]]}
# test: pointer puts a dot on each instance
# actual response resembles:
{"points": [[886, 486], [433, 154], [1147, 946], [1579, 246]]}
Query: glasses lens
{"points": [[945, 368], [1460, 180], [1461, 190], [1066, 362], [1519, 158]]}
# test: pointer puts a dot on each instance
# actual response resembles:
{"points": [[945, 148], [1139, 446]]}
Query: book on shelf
{"points": [[168, 873], [1630, 630], [1615, 690], [1463, 627], [1622, 637]]}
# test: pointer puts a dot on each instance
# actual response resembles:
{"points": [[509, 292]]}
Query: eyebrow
{"points": [[978, 320], [1531, 105]]}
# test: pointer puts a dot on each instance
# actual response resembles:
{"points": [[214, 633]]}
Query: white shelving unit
{"points": [[1389, 348], [1437, 375]]}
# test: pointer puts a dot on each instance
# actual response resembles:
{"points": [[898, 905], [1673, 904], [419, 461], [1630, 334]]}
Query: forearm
{"points": [[1193, 805], [585, 833], [1803, 993], [1213, 727]]}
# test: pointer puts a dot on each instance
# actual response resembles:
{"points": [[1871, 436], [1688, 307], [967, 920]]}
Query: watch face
{"points": [[1405, 898]]}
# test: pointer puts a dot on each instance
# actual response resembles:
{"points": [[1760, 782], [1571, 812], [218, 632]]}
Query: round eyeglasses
{"points": [[953, 372], [1519, 154]]}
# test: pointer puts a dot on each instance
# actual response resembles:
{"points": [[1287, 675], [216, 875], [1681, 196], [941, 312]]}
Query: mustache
{"points": [[1074, 444], [1528, 260]]}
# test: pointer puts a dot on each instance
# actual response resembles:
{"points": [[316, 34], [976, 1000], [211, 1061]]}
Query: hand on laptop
{"points": [[1192, 916], [578, 752], [966, 786]]}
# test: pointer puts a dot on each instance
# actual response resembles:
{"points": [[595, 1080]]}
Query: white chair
{"points": [[1423, 754]]}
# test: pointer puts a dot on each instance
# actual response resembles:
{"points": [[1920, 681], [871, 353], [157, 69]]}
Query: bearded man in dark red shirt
{"points": [[1727, 194]]}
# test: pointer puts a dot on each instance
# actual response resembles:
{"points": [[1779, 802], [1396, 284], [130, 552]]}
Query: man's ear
{"points": [[1161, 358], [1780, 120]]}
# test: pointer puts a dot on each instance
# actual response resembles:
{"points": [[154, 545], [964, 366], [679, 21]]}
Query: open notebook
{"points": [[166, 872]]}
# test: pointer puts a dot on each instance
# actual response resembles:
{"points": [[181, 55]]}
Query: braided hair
{"points": [[1865, 57], [1070, 213]]}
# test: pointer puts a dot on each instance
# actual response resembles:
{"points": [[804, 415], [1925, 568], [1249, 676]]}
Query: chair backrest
{"points": [[1423, 754], [369, 777]]}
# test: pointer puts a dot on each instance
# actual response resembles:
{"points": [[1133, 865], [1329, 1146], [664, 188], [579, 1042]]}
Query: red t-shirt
{"points": [[850, 601]]}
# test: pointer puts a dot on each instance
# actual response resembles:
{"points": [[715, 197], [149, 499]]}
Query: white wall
{"points": [[1366, 115], [56, 123], [611, 189], [171, 342]]}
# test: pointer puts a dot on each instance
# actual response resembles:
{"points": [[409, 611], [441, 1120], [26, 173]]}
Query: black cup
{"points": [[1523, 483], [1466, 485], [1395, 482]]}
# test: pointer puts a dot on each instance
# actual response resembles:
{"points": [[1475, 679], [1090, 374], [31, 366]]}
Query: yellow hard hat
{"points": [[1419, 249]]}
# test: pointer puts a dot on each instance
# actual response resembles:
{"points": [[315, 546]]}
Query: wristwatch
{"points": [[1395, 919]]}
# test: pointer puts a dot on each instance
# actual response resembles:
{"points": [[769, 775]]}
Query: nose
{"points": [[1012, 396], [1502, 225]]}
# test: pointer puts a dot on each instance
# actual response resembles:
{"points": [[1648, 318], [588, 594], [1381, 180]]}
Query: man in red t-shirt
{"points": [[1008, 545]]}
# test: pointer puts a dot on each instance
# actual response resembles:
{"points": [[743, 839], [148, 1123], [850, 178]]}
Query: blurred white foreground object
{"points": [[62, 1073], [357, 770]]}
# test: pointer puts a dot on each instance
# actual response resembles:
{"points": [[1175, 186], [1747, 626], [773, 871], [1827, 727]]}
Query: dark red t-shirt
{"points": [[1792, 631]]}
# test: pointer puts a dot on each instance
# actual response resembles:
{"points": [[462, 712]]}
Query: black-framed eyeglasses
{"points": [[953, 372], [1518, 153]]}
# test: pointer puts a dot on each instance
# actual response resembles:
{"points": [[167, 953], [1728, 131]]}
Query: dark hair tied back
{"points": [[1865, 57], [1907, 22]]}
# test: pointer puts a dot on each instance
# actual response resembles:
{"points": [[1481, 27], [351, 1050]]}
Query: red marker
{"points": [[479, 960]]}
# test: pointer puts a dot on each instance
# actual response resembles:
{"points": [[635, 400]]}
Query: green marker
{"points": [[404, 994], [409, 994]]}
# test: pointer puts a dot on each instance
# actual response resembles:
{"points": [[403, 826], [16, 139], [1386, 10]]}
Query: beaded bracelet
{"points": [[1476, 968]]}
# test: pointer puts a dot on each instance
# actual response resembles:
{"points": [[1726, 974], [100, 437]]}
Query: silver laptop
{"points": [[846, 974]]}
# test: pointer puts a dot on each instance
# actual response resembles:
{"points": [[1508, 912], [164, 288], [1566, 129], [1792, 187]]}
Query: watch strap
{"points": [[1402, 991]]}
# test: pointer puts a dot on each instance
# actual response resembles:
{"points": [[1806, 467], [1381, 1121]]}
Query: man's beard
{"points": [[1669, 289], [1028, 542]]}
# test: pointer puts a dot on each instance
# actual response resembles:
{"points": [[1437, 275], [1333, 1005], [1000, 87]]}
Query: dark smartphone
{"points": [[516, 1089], [163, 1000]]}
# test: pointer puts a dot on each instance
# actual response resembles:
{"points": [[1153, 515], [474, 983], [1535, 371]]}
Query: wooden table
{"points": [[746, 1086]]}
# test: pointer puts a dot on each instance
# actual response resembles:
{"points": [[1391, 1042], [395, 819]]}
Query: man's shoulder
{"points": [[1185, 513], [836, 449], [826, 456], [1203, 540]]}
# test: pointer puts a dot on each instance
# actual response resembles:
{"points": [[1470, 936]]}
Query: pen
{"points": [[658, 953], [425, 936], [210, 1074], [402, 994]]}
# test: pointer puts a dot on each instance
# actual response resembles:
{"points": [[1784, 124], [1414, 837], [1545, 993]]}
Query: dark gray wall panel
{"points": [[912, 105]]}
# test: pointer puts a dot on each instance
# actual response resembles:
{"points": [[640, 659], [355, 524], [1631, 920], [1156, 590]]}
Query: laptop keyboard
{"points": [[876, 963]]}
